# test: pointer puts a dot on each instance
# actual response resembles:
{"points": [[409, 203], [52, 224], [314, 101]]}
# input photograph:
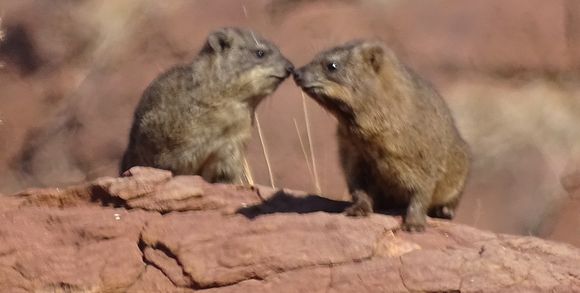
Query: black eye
{"points": [[260, 53], [332, 66]]}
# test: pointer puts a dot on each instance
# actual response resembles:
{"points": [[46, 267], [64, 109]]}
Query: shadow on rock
{"points": [[283, 202]]}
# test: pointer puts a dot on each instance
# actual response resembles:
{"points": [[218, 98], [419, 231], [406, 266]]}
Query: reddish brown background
{"points": [[73, 71]]}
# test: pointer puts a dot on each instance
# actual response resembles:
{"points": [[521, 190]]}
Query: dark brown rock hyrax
{"points": [[398, 143], [197, 118]]}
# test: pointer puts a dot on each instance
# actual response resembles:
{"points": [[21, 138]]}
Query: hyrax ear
{"points": [[373, 54], [220, 40]]}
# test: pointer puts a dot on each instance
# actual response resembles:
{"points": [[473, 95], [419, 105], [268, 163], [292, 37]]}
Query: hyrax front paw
{"points": [[416, 216], [362, 205], [414, 224], [358, 210], [413, 227]]}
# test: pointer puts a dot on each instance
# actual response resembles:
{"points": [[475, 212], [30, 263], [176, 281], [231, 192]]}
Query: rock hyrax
{"points": [[398, 143], [196, 119]]}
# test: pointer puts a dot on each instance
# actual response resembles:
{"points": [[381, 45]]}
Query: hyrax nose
{"points": [[290, 68], [298, 76]]}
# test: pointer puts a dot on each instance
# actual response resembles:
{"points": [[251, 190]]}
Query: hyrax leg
{"points": [[416, 216], [356, 172], [449, 189], [448, 192], [226, 165], [362, 204]]}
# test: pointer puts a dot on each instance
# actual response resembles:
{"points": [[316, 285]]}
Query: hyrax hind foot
{"points": [[362, 205], [442, 212]]}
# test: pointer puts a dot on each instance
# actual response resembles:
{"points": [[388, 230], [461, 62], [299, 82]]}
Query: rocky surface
{"points": [[149, 231]]}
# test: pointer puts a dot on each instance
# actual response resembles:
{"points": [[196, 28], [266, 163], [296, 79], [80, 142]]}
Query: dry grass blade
{"points": [[309, 135], [245, 10], [303, 147], [248, 172], [2, 37], [2, 34], [265, 151]]}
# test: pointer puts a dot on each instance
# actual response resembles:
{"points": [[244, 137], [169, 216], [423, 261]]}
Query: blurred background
{"points": [[71, 73]]}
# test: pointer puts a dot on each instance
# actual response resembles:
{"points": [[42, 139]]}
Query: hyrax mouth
{"points": [[334, 105], [316, 91], [282, 75]]}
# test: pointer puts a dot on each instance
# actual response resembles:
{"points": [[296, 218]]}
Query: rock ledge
{"points": [[152, 232]]}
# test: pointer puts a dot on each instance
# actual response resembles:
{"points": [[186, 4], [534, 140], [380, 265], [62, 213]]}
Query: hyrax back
{"points": [[398, 143], [196, 118]]}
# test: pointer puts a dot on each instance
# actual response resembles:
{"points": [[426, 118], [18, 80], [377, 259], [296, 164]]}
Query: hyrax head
{"points": [[347, 79], [245, 64]]}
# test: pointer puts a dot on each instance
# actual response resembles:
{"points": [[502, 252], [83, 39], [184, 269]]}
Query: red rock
{"points": [[82, 248], [56, 197], [490, 35], [168, 265], [137, 182], [571, 182], [433, 270], [564, 225], [278, 245], [185, 193], [153, 280], [243, 248]]}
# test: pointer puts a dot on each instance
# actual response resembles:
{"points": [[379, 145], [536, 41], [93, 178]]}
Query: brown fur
{"points": [[197, 118], [399, 146]]}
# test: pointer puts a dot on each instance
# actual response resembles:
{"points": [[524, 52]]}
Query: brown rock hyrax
{"points": [[398, 144], [196, 118]]}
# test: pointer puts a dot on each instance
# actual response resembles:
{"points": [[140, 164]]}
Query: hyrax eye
{"points": [[260, 53], [332, 66]]}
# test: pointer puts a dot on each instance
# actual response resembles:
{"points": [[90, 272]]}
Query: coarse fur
{"points": [[398, 143], [196, 119]]}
